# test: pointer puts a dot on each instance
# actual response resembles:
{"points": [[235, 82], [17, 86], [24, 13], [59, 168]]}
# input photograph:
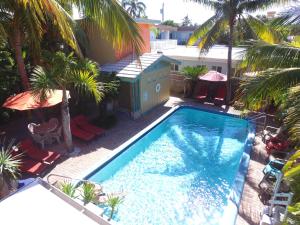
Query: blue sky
{"points": [[177, 9]]}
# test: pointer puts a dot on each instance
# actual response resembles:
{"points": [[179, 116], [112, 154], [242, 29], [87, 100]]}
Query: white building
{"points": [[215, 59], [183, 34]]}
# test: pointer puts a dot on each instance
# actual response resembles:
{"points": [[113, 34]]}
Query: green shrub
{"points": [[113, 201], [193, 72], [90, 192], [68, 188]]}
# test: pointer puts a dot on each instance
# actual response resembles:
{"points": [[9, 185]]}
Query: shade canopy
{"points": [[26, 100], [213, 76]]}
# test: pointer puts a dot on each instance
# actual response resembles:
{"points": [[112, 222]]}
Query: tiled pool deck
{"points": [[98, 150]]}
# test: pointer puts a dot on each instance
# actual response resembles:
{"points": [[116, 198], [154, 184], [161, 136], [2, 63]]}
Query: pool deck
{"points": [[77, 165]]}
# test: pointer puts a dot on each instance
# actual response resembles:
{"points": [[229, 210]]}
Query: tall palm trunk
{"points": [[19, 58], [229, 59], [65, 117]]}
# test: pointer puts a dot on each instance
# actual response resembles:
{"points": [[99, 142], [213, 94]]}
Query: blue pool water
{"points": [[181, 172]]}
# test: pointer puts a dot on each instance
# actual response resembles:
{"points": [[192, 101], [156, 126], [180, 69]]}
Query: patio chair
{"points": [[271, 132], [276, 144], [201, 92], [37, 137], [220, 96], [277, 211], [267, 186], [84, 124], [45, 156], [273, 167], [80, 133], [56, 134]]}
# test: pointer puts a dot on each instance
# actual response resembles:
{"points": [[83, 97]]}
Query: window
{"points": [[217, 68], [174, 67]]}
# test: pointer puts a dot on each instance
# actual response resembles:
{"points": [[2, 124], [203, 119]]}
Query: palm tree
{"points": [[227, 14], [134, 8], [65, 72], [24, 22], [278, 76]]}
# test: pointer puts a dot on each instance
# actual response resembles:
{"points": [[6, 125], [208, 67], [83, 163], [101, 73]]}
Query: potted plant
{"points": [[9, 167], [113, 201], [68, 188], [191, 75], [90, 192]]}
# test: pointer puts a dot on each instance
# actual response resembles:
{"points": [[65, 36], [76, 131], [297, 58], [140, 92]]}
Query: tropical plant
{"points": [[186, 21], [277, 80], [89, 193], [26, 21], [113, 201], [9, 166], [291, 172], [63, 72], [193, 72], [9, 80], [135, 8], [68, 188], [227, 14], [170, 23]]}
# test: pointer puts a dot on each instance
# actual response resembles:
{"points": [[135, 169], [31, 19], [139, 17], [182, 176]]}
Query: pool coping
{"points": [[231, 210]]}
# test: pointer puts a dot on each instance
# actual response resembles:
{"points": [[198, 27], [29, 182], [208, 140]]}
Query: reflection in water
{"points": [[179, 173]]}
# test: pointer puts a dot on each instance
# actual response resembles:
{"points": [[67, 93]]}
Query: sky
{"points": [[177, 9]]}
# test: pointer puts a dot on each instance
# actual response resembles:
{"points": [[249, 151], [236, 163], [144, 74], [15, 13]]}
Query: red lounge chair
{"points": [[201, 93], [84, 124], [31, 166], [36, 153], [275, 144], [79, 133], [220, 95]]}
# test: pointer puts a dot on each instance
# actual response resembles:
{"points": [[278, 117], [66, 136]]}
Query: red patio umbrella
{"points": [[26, 100], [213, 76]]}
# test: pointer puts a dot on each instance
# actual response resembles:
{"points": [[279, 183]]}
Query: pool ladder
{"points": [[260, 120], [59, 178]]}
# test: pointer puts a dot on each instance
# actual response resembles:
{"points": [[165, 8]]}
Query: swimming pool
{"points": [[188, 169]]}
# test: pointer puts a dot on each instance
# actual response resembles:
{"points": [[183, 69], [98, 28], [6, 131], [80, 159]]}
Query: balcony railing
{"points": [[162, 44]]}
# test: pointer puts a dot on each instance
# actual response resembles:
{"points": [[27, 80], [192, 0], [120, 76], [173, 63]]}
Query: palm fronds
{"points": [[271, 84], [9, 163], [263, 31], [114, 23], [292, 107], [261, 56]]}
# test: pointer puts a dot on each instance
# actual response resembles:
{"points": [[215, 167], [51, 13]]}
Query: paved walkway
{"points": [[92, 153]]}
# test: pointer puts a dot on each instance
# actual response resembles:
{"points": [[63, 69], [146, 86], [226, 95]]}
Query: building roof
{"points": [[163, 27], [186, 28], [38, 203], [147, 21], [216, 53], [129, 67]]}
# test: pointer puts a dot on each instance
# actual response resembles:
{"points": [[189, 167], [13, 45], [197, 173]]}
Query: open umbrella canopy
{"points": [[213, 76], [26, 100]]}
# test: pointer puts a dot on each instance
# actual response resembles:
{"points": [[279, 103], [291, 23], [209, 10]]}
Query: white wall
{"points": [[152, 36], [199, 62], [165, 35]]}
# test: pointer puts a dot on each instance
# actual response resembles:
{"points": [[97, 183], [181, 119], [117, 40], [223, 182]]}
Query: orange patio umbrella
{"points": [[26, 100]]}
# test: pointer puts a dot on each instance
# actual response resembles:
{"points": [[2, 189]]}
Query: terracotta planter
{"points": [[7, 188]]}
